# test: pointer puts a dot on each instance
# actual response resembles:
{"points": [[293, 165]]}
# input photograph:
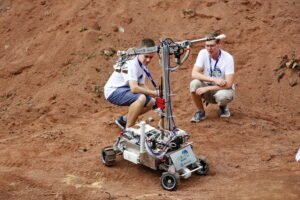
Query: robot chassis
{"points": [[167, 148]]}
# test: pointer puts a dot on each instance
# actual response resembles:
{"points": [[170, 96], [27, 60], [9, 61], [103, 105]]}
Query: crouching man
{"points": [[213, 75], [127, 88]]}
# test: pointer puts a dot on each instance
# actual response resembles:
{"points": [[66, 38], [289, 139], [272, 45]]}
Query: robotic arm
{"points": [[175, 48]]}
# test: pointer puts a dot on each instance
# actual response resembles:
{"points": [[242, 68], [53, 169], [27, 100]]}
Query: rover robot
{"points": [[165, 148]]}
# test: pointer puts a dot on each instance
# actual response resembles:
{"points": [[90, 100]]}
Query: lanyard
{"points": [[211, 70], [148, 74]]}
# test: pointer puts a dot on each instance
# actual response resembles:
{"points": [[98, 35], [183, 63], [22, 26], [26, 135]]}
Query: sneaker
{"points": [[121, 122], [224, 111], [198, 116]]}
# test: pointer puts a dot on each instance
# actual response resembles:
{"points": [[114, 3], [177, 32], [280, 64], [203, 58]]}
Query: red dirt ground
{"points": [[52, 74]]}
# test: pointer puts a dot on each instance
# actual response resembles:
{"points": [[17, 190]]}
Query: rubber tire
{"points": [[108, 156], [168, 181], [202, 161]]}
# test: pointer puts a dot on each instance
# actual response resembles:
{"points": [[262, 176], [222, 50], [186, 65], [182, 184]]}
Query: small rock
{"points": [[289, 64], [295, 66], [127, 20], [121, 29], [292, 83], [267, 157], [108, 52], [53, 97], [297, 157], [280, 76], [189, 13], [96, 26], [82, 29], [82, 149]]}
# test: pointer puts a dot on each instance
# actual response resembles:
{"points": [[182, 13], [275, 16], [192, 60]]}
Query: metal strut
{"points": [[165, 58]]}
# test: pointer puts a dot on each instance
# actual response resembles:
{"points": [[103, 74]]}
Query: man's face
{"points": [[212, 47], [146, 58]]}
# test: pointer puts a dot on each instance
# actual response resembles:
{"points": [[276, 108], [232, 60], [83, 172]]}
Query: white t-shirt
{"points": [[225, 65], [117, 79]]}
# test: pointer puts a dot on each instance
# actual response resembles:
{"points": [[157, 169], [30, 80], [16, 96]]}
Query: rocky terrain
{"points": [[56, 55]]}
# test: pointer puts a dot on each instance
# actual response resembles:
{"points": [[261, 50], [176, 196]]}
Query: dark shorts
{"points": [[124, 97]]}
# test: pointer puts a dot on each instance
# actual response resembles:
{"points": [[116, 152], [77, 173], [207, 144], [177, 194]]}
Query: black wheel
{"points": [[205, 166], [108, 156], [168, 181]]}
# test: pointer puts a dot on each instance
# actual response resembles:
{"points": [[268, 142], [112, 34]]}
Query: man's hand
{"points": [[155, 93], [220, 82], [202, 90]]}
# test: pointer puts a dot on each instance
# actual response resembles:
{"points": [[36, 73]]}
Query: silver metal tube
{"points": [[133, 52], [165, 64], [191, 171], [142, 135], [219, 37]]}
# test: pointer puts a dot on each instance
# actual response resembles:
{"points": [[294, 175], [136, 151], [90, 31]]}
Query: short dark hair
{"points": [[212, 35], [147, 42]]}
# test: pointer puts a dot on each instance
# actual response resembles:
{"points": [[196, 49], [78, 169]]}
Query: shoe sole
{"points": [[197, 121], [119, 125], [224, 116]]}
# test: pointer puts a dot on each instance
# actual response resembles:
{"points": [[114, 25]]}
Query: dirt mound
{"points": [[53, 67]]}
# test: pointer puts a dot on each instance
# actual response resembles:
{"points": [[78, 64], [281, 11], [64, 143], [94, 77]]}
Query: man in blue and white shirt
{"points": [[127, 87], [213, 75]]}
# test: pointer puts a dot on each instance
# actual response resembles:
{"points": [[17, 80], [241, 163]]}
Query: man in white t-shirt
{"points": [[127, 87], [213, 75]]}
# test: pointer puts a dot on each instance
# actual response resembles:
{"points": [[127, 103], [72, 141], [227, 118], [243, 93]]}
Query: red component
{"points": [[160, 102]]}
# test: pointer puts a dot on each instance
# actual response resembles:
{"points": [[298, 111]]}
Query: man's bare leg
{"points": [[135, 109], [148, 107], [144, 110], [197, 100]]}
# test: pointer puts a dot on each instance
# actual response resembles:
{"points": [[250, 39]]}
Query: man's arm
{"points": [[197, 73], [135, 88], [228, 85]]}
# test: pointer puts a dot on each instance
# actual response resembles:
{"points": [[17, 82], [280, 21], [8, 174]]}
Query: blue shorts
{"points": [[124, 97]]}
